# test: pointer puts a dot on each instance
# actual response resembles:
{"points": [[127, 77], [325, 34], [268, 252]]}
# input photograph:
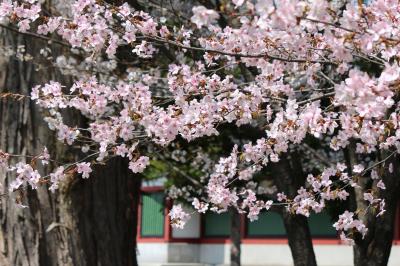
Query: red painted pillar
{"points": [[167, 222]]}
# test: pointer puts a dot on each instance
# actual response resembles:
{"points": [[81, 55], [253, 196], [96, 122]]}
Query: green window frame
{"points": [[217, 225], [269, 224], [152, 215], [320, 225]]}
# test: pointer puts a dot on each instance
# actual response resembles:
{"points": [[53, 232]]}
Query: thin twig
{"points": [[32, 34], [262, 55]]}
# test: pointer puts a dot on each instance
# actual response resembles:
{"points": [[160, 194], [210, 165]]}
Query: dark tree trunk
{"points": [[374, 249], [86, 222], [288, 178], [103, 211], [235, 237], [300, 241]]}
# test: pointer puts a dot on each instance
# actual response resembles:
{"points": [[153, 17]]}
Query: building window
{"points": [[269, 224], [152, 223], [320, 225], [217, 225]]}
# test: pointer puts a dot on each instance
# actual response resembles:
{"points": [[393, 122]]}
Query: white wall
{"points": [[184, 252], [252, 254], [152, 252]]}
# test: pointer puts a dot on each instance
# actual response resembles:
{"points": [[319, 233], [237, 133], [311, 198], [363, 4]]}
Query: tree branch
{"points": [[32, 34]]}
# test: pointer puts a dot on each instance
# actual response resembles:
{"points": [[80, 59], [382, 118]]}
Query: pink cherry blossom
{"points": [[45, 156], [200, 206], [84, 169], [203, 16], [290, 70], [178, 216], [139, 165]]}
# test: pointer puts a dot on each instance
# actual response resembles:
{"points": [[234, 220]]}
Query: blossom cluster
{"points": [[301, 80], [347, 223]]}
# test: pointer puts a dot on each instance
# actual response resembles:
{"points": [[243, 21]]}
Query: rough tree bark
{"points": [[288, 178], [86, 222], [235, 237], [300, 241], [374, 249]]}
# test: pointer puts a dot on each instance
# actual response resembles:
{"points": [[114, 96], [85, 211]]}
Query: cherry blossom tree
{"points": [[301, 72]]}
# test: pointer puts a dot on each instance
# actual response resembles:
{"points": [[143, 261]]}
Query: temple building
{"points": [[205, 239]]}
